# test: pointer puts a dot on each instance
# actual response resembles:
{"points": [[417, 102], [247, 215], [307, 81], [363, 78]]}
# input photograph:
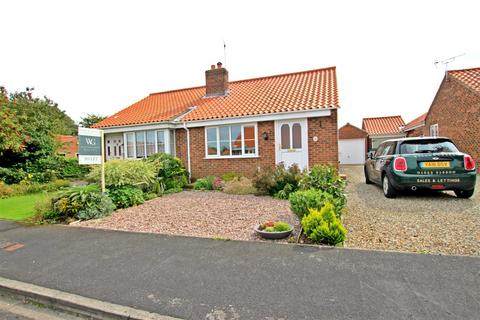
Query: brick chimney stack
{"points": [[216, 81]]}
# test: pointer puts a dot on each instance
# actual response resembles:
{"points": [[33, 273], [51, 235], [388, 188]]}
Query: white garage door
{"points": [[351, 151]]}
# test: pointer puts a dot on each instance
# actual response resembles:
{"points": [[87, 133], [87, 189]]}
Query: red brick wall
{"points": [[247, 166], [417, 132], [68, 145], [456, 109], [325, 150], [349, 131]]}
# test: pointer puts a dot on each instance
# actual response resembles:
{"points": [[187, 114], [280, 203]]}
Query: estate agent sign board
{"points": [[91, 149], [89, 146]]}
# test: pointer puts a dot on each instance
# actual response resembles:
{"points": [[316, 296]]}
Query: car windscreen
{"points": [[427, 146]]}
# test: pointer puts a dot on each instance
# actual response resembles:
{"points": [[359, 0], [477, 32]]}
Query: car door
{"points": [[372, 162], [382, 159]]}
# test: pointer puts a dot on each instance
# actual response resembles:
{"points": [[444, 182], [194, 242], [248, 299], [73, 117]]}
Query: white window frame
{"points": [[434, 131], [166, 135], [243, 155]]}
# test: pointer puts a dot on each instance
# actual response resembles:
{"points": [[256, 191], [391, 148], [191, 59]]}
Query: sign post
{"points": [[91, 149]]}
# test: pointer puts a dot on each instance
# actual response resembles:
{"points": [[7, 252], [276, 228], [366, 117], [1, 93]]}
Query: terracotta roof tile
{"points": [[383, 125], [416, 122], [307, 90], [470, 77]]}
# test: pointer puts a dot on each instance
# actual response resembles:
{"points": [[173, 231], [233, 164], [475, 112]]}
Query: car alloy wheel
{"points": [[385, 185], [388, 189]]}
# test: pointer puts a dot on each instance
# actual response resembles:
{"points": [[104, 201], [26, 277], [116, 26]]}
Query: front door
{"points": [[291, 142]]}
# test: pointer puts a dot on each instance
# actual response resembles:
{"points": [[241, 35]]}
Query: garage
{"points": [[351, 145], [351, 151]]}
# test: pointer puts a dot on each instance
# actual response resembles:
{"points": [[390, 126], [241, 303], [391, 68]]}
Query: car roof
{"points": [[416, 139]]}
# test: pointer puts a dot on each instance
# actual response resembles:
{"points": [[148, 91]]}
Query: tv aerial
{"points": [[446, 62]]}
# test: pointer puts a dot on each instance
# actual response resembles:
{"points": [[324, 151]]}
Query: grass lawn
{"points": [[20, 207]]}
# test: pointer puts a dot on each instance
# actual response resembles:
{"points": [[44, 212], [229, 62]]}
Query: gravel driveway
{"points": [[200, 213], [433, 223]]}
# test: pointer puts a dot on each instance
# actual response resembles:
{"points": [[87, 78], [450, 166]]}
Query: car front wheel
{"points": [[464, 194], [388, 190]]}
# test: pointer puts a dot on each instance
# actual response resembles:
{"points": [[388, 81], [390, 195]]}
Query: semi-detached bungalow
{"points": [[235, 126]]}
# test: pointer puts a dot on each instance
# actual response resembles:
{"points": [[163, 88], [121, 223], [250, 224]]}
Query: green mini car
{"points": [[421, 163]]}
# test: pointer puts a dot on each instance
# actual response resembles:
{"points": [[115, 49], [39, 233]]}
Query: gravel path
{"points": [[433, 223], [200, 213]]}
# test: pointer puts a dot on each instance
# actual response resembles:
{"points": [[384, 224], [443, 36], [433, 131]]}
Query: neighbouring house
{"points": [[455, 111], [237, 126], [68, 146], [380, 129], [352, 144], [416, 127]]}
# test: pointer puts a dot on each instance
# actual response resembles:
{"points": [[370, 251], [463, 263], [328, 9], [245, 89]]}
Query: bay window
{"points": [[231, 141], [141, 144]]}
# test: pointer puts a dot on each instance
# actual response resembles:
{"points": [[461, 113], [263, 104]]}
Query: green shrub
{"points": [[125, 173], [27, 187], [301, 201], [281, 226], [278, 182], [149, 196], [95, 206], [169, 171], [323, 226], [11, 176], [229, 176], [269, 229], [43, 209], [325, 178], [240, 185], [71, 169], [5, 190], [173, 190], [204, 183], [126, 196], [81, 202], [56, 185]]}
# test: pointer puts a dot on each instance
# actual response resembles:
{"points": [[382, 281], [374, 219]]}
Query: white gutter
{"points": [[188, 151]]}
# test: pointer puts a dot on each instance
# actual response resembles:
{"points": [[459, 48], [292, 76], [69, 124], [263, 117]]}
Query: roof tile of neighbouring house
{"points": [[383, 125], [300, 91], [418, 121], [470, 77]]}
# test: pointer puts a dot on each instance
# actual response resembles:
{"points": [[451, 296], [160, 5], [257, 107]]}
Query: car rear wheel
{"points": [[464, 194], [367, 178], [388, 190]]}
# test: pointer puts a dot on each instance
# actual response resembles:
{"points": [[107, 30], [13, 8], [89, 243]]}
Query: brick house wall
{"points": [[349, 131], [67, 145], [456, 110], [324, 151], [417, 132], [202, 167]]}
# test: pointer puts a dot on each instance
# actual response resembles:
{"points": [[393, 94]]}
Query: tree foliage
{"points": [[11, 132], [28, 126], [91, 119]]}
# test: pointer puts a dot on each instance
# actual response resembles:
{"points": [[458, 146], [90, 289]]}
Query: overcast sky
{"points": [[101, 56]]}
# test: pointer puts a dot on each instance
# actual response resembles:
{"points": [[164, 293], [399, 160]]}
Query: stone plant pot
{"points": [[272, 235]]}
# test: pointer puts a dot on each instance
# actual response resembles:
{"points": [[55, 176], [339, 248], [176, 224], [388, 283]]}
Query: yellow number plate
{"points": [[437, 164]]}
